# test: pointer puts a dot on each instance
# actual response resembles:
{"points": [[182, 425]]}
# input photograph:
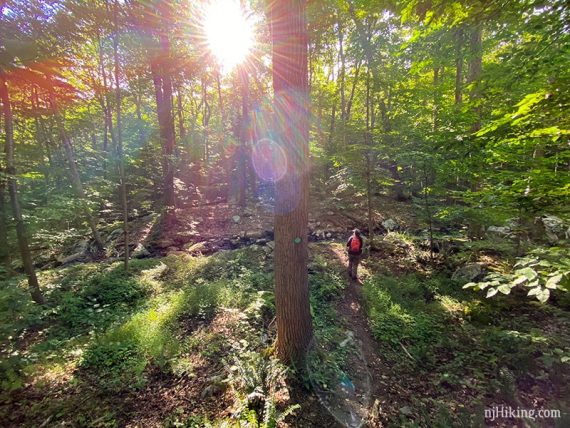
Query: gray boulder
{"points": [[498, 231], [140, 252], [73, 258], [390, 225], [468, 272], [552, 227], [114, 235], [553, 224]]}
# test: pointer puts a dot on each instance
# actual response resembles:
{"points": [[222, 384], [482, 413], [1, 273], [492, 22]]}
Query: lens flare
{"points": [[269, 160]]}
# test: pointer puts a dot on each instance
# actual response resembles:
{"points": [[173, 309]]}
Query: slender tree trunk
{"points": [[330, 148], [4, 251], [40, 138], [105, 105], [435, 98], [206, 112], [220, 99], [244, 129], [475, 70], [368, 142], [160, 71], [226, 158], [121, 156], [180, 114], [21, 233], [352, 92], [428, 212], [290, 84], [342, 71], [75, 178], [459, 66], [474, 77], [170, 197]]}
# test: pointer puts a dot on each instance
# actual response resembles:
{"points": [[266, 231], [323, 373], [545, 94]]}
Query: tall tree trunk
{"points": [[169, 141], [357, 69], [330, 147], [473, 78], [290, 84], [226, 158], [475, 70], [160, 70], [105, 105], [342, 71], [75, 178], [21, 233], [368, 142], [118, 110], [180, 114], [40, 138], [4, 251], [436, 98], [244, 129], [427, 207], [459, 66], [206, 113]]}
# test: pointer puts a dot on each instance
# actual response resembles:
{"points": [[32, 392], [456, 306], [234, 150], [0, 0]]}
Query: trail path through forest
{"points": [[351, 309]]}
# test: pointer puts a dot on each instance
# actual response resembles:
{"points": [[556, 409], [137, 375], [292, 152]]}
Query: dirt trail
{"points": [[353, 313]]}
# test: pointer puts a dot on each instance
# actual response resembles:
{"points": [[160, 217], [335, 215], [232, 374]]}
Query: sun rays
{"points": [[229, 32]]}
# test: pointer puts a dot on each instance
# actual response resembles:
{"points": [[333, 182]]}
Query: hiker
{"points": [[354, 246]]}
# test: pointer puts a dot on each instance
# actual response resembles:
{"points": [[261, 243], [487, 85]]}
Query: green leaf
{"points": [[553, 281], [520, 280], [491, 292], [505, 289], [534, 291], [543, 295], [469, 285], [530, 273]]}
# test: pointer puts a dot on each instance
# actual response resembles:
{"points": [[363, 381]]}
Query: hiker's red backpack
{"points": [[355, 244]]}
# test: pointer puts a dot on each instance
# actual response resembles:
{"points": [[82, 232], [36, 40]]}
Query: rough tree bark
{"points": [[21, 233], [290, 84]]}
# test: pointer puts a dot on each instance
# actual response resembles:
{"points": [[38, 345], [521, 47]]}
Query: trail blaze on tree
{"points": [[289, 37]]}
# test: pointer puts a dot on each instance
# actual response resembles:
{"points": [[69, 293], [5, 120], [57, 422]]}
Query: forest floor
{"points": [[185, 337]]}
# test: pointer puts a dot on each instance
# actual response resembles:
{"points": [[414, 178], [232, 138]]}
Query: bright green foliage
{"points": [[541, 272], [456, 342]]}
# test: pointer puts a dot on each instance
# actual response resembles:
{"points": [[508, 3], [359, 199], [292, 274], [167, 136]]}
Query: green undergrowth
{"points": [[328, 358], [450, 343], [106, 332]]}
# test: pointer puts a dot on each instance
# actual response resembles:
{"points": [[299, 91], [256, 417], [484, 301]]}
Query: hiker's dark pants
{"points": [[353, 261]]}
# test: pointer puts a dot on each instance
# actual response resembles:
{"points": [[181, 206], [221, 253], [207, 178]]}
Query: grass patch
{"points": [[447, 342], [105, 331]]}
